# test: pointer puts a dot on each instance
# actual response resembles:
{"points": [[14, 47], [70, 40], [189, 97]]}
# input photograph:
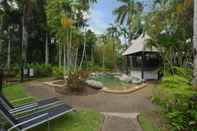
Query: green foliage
{"points": [[97, 68], [105, 55], [41, 70], [173, 94], [171, 30], [58, 72]]}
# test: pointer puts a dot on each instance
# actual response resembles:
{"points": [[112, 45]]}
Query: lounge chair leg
{"points": [[48, 125]]}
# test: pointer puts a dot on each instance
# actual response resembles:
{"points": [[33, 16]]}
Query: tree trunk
{"points": [[67, 47], [70, 47], [195, 45], [103, 63], [9, 53], [76, 59], [46, 50], [24, 40], [60, 55], [64, 52], [114, 55], [84, 50]]}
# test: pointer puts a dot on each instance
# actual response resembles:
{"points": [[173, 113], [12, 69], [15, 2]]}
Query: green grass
{"points": [[13, 92], [85, 120], [76, 121], [16, 94], [146, 124]]}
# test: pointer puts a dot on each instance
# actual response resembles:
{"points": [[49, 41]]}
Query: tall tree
{"points": [[129, 13], [195, 44], [25, 7], [113, 33]]}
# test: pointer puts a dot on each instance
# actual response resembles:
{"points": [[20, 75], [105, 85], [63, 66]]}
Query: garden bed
{"points": [[109, 81], [61, 88], [87, 91]]}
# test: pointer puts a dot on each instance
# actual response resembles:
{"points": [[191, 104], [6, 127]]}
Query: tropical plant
{"points": [[130, 12], [169, 26], [113, 34]]}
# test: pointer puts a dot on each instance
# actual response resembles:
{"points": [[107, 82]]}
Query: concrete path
{"points": [[121, 122]]}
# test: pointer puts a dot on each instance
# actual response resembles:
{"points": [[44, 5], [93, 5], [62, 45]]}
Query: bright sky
{"points": [[101, 14]]}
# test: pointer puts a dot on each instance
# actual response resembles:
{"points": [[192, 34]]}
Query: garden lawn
{"points": [[75, 121], [85, 120], [16, 95], [146, 124]]}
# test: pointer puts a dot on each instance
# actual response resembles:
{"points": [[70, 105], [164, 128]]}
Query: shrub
{"points": [[173, 95], [97, 68], [58, 72], [76, 81], [41, 70]]}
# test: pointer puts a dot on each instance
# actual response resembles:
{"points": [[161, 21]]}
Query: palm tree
{"points": [[124, 33], [113, 33], [127, 13], [195, 44], [86, 3]]}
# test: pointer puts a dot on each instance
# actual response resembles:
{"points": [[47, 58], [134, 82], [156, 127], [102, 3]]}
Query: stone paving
{"points": [[121, 122]]}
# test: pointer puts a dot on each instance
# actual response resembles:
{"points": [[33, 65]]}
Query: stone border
{"points": [[138, 87], [51, 83]]}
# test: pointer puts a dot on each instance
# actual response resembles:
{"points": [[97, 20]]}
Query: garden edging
{"points": [[138, 87]]}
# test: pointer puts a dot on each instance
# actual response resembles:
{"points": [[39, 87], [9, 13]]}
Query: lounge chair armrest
{"points": [[22, 123], [34, 108], [22, 108], [21, 99]]}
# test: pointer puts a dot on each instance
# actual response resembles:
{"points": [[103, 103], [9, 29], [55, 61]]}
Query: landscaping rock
{"points": [[136, 80], [95, 84], [124, 77]]}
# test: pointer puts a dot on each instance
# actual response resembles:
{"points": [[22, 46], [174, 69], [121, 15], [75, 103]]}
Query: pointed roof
{"points": [[140, 45]]}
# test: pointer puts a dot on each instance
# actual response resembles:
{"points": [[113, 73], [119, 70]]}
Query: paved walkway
{"points": [[120, 121], [109, 103]]}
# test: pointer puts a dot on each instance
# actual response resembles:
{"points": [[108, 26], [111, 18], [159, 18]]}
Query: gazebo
{"points": [[143, 61]]}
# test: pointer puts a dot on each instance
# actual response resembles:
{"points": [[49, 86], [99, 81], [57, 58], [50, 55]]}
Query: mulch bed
{"points": [[87, 91]]}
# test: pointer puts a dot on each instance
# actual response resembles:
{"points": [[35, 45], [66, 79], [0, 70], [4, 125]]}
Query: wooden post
{"points": [[142, 66], [127, 64]]}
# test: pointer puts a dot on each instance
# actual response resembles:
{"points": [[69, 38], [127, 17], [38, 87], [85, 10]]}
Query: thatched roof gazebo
{"points": [[143, 61]]}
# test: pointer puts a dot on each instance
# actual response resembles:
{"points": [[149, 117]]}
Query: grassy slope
{"points": [[85, 120]]}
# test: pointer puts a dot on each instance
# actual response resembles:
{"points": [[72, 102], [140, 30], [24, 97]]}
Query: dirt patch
{"points": [[65, 91]]}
